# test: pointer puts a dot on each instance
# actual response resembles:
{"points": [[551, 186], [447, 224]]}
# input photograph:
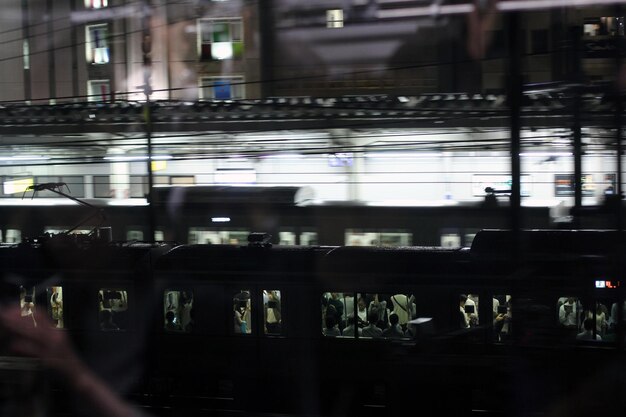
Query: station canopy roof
{"points": [[89, 132]]}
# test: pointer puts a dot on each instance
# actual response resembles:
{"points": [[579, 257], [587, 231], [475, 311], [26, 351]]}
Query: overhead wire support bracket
{"points": [[56, 188]]}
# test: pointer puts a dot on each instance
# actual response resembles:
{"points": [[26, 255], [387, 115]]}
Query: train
{"points": [[226, 215], [520, 323]]}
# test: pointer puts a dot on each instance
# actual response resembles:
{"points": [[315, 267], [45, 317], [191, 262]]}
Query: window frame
{"points": [[202, 41]]}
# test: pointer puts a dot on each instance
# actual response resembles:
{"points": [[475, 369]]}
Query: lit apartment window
{"points": [[334, 18], [222, 88], [97, 51], [96, 4], [220, 39], [98, 90]]}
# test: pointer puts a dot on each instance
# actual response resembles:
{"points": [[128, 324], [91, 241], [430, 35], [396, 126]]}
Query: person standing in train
{"points": [[568, 314]]}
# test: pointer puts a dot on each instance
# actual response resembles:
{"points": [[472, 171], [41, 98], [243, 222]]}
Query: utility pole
{"points": [[146, 47]]}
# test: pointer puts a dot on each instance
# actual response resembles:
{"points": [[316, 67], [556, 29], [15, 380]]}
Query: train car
{"points": [[96, 293], [502, 328], [226, 215]]}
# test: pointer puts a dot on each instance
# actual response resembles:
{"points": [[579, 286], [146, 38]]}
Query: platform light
{"points": [[24, 158], [220, 219], [136, 158]]}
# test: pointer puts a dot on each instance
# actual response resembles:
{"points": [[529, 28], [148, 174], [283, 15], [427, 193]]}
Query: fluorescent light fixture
{"points": [[286, 156], [235, 176], [136, 158], [24, 158], [545, 154], [128, 202], [395, 155], [413, 203], [220, 219]]}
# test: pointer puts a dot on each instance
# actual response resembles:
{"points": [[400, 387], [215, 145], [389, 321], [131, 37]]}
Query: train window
{"points": [[225, 237], [468, 238], [159, 235], [337, 314], [450, 240], [113, 309], [54, 295], [55, 230], [272, 312], [242, 308], [357, 238], [13, 236], [308, 238], [134, 235], [178, 311], [287, 238], [468, 310], [596, 321], [395, 239], [502, 317], [101, 186], [570, 313], [27, 306]]}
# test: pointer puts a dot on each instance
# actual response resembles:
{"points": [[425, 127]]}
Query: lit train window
{"points": [[272, 312], [337, 314], [287, 238], [468, 310], [54, 296], [27, 306], [355, 237], [450, 240], [589, 321], [134, 235], [225, 237], [13, 236], [113, 309], [242, 309], [392, 314], [55, 230], [502, 317], [308, 238], [395, 239], [178, 315], [570, 313]]}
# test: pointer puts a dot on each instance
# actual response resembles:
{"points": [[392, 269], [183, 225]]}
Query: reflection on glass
{"points": [[55, 305], [178, 311], [113, 309], [502, 317], [272, 312], [27, 306], [242, 307]]}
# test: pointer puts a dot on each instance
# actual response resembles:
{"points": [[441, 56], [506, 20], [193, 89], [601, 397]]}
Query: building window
{"points": [[98, 90], [222, 88], [96, 4], [334, 18], [220, 39], [97, 50]]}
